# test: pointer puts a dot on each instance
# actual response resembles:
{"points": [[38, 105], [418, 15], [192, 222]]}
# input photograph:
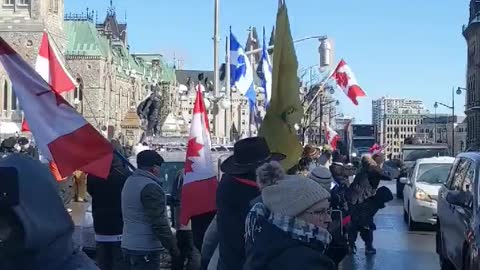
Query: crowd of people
{"points": [[267, 217]]}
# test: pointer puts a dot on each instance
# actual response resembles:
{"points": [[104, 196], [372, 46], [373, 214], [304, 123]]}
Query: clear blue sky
{"points": [[411, 49]]}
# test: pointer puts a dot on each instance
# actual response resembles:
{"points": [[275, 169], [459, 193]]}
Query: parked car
{"points": [[458, 236], [413, 152], [421, 190]]}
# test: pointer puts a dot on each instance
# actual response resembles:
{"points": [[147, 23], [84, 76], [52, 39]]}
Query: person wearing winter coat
{"points": [[288, 229], [309, 160], [363, 188], [235, 192], [323, 176], [146, 228], [35, 228], [107, 215]]}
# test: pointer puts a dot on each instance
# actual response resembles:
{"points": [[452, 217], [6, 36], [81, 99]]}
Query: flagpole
{"points": [[252, 57], [215, 49], [228, 116]]}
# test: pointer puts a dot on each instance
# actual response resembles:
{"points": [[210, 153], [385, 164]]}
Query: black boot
{"points": [[367, 236]]}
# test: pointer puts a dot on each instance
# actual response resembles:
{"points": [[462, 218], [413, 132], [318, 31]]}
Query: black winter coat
{"points": [[363, 213], [106, 199], [274, 249], [233, 205]]}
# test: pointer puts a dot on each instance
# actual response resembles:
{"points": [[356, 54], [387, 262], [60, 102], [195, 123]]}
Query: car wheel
{"points": [[399, 189], [445, 264], [412, 225]]}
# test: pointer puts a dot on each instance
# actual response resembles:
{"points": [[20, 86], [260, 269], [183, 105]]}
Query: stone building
{"points": [[471, 32], [21, 25], [111, 80], [396, 119]]}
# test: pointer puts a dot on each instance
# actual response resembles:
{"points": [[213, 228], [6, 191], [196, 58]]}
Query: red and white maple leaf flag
{"points": [[347, 82], [52, 71], [331, 136], [61, 133], [199, 179]]}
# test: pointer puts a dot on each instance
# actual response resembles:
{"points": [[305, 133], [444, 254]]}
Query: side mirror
{"points": [[404, 180], [460, 198]]}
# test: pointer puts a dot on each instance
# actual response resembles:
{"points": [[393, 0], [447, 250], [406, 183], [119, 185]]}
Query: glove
{"points": [[177, 263]]}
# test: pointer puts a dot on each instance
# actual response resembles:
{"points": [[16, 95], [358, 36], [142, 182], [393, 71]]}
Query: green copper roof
{"points": [[84, 39]]}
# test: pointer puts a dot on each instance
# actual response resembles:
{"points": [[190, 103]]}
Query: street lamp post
{"points": [[435, 127], [453, 120], [452, 107], [259, 50]]}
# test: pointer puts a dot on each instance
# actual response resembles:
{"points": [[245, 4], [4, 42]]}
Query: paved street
{"points": [[397, 248]]}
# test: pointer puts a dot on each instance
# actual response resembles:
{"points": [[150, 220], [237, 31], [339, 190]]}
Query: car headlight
{"points": [[422, 195]]}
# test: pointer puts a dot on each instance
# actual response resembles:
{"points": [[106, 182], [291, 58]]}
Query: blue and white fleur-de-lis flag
{"points": [[241, 71], [264, 71]]}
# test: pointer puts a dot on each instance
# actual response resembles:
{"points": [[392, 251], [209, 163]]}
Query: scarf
{"points": [[296, 228]]}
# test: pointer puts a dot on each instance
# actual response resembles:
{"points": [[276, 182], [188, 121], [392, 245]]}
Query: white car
{"points": [[421, 190]]}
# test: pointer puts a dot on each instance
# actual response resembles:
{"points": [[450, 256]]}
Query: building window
{"points": [[53, 6], [5, 96], [14, 101], [8, 2], [22, 2]]}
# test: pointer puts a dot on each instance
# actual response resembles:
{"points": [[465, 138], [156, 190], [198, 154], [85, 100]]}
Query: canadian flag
{"points": [[62, 135], [51, 70], [199, 179], [331, 136], [347, 82], [377, 149]]}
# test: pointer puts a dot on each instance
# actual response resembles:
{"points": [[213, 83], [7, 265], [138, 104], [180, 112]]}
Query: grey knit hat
{"points": [[288, 195], [323, 176]]}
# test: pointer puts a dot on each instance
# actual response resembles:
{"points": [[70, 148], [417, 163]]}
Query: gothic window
{"points": [[5, 96], [53, 6], [14, 101]]}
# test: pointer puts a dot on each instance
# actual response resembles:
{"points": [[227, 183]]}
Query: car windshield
{"points": [[433, 173], [414, 154], [169, 171]]}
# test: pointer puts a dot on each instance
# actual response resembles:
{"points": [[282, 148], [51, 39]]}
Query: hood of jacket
{"points": [[47, 226]]}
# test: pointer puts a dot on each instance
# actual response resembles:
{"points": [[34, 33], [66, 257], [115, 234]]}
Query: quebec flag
{"points": [[264, 72], [241, 71]]}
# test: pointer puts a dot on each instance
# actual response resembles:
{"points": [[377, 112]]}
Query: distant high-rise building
{"points": [[395, 119], [471, 32]]}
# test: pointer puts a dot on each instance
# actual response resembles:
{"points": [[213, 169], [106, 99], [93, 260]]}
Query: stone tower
{"points": [[21, 25], [471, 32]]}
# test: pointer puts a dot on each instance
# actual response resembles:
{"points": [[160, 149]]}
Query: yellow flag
{"points": [[285, 107]]}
